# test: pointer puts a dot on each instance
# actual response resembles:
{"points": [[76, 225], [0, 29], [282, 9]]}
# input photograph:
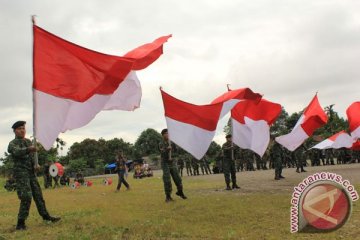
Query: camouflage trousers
{"points": [[229, 171], [278, 167], [122, 180], [170, 170], [27, 187]]}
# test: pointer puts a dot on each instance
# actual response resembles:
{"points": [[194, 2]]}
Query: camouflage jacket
{"points": [[23, 159], [276, 152], [228, 149], [165, 152]]}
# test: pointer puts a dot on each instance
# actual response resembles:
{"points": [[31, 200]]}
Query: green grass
{"points": [[98, 212]]}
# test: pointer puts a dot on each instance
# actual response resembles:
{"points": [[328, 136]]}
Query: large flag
{"points": [[353, 114], [251, 123], [312, 118], [336, 141], [193, 127], [72, 84]]}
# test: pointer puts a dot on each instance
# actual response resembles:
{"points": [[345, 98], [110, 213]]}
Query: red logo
{"points": [[326, 206]]}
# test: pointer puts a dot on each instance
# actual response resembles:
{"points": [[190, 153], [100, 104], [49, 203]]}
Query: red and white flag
{"points": [[72, 83], [336, 141], [251, 123], [312, 118], [353, 114], [193, 127]]}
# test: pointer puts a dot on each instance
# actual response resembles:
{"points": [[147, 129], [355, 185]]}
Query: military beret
{"points": [[228, 136], [164, 131], [18, 124]]}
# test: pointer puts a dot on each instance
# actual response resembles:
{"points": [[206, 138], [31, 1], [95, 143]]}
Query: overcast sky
{"points": [[286, 50]]}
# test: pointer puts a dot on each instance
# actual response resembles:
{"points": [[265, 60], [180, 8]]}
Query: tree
{"points": [[88, 149], [76, 165], [148, 142], [279, 127], [213, 150]]}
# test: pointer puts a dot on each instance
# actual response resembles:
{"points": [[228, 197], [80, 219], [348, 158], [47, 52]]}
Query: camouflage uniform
{"points": [[229, 165], [329, 155], [195, 166], [300, 157], [207, 165], [188, 165], [249, 160], [203, 166], [47, 177], [169, 168], [180, 164], [276, 157], [27, 185]]}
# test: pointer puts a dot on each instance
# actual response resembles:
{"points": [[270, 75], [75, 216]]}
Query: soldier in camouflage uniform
{"points": [[169, 167], [27, 185], [229, 163], [188, 164], [276, 157], [47, 176], [203, 166], [300, 156], [207, 165], [249, 160], [195, 166], [180, 164], [329, 155]]}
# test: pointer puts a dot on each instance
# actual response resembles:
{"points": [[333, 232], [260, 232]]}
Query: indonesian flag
{"points": [[313, 118], [72, 84], [338, 140], [353, 114], [251, 123], [193, 127]]}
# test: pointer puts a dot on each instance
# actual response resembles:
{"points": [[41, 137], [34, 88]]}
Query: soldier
{"points": [[56, 181], [249, 160], [27, 185], [188, 164], [195, 166], [202, 166], [180, 164], [47, 177], [276, 157], [329, 155], [238, 159], [259, 162], [229, 163], [300, 156], [207, 165], [120, 169], [169, 167]]}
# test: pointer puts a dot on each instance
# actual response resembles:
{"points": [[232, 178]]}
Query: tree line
{"points": [[94, 154]]}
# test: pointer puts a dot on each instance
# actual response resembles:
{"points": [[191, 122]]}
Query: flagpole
{"points": [[231, 129], [36, 157]]}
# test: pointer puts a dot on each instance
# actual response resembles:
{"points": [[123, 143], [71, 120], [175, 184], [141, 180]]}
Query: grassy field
{"points": [[259, 210]]}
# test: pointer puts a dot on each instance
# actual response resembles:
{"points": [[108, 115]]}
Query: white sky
{"points": [[286, 50]]}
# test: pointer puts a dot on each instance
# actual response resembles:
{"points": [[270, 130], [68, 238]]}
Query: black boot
{"points": [[168, 198], [181, 194], [228, 187], [281, 176], [51, 219], [21, 224], [235, 186]]}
